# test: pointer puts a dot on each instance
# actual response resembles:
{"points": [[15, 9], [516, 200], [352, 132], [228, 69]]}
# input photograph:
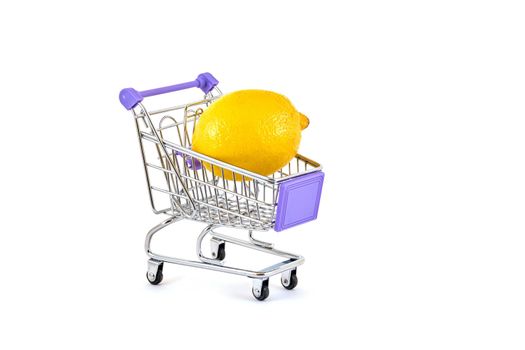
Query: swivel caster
{"points": [[218, 249], [260, 289], [289, 279], [154, 274]]}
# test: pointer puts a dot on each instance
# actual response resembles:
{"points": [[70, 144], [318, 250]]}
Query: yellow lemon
{"points": [[256, 130]]}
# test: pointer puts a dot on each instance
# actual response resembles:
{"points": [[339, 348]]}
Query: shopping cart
{"points": [[182, 187]]}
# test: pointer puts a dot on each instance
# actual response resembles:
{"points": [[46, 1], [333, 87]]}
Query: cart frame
{"points": [[194, 191]]}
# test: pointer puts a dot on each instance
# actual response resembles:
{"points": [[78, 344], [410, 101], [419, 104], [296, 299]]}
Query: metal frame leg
{"points": [[259, 277]]}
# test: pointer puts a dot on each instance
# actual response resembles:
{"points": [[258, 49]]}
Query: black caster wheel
{"points": [[261, 291], [218, 249], [289, 281], [221, 252], [157, 277]]}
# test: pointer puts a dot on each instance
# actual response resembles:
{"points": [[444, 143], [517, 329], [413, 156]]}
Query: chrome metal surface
{"points": [[153, 268], [285, 277], [212, 264], [169, 161], [257, 242], [201, 256], [215, 244], [257, 286]]}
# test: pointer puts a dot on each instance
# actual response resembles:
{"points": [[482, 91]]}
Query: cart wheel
{"points": [[260, 289], [221, 252], [218, 249], [155, 277], [289, 279]]}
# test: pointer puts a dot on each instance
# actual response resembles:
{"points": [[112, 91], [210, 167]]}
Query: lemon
{"points": [[256, 130]]}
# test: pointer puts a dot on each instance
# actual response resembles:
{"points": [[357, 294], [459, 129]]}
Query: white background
{"points": [[416, 113]]}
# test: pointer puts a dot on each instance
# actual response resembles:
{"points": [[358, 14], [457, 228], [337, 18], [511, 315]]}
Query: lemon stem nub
{"points": [[304, 121]]}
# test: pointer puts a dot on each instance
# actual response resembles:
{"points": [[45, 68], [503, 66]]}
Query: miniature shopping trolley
{"points": [[182, 186]]}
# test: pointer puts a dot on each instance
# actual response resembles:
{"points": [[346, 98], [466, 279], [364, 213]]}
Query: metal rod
{"points": [[293, 262]]}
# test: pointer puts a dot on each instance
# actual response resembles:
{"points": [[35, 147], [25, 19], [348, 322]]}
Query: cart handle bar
{"points": [[130, 97]]}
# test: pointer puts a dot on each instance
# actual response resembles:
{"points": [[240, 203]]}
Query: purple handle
{"points": [[130, 97]]}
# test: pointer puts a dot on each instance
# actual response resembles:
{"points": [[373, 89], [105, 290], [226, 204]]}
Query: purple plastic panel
{"points": [[130, 97], [298, 200]]}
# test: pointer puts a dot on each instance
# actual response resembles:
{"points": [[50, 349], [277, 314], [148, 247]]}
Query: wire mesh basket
{"points": [[203, 193]]}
